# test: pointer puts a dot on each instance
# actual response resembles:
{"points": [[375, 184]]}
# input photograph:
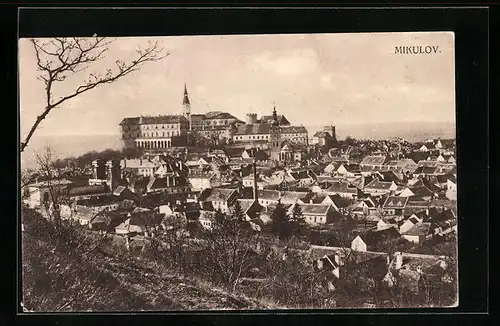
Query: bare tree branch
{"points": [[61, 57]]}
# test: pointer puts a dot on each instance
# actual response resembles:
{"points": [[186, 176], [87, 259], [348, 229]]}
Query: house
{"points": [[421, 191], [292, 197], [141, 167], [332, 167], [418, 233], [317, 213], [373, 240], [403, 165], [385, 224], [84, 192], [377, 187], [391, 176], [141, 221], [409, 223], [268, 197], [207, 221], [336, 201], [348, 170], [327, 263], [325, 137], [83, 215], [290, 152], [39, 194], [251, 209], [202, 180], [394, 205], [364, 207], [256, 154], [97, 203], [302, 177], [342, 189], [221, 198], [124, 193], [248, 181]]}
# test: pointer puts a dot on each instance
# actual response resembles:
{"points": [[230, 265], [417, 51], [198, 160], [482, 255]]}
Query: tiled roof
{"points": [[342, 187], [419, 229], [338, 201], [162, 119], [220, 194], [219, 115], [395, 202], [269, 119], [293, 196], [321, 134], [373, 237], [376, 184], [88, 190], [421, 191], [373, 160], [254, 129], [130, 121], [99, 201], [293, 130], [314, 209], [269, 194]]}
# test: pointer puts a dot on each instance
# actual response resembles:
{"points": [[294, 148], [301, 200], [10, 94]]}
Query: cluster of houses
{"points": [[400, 190]]}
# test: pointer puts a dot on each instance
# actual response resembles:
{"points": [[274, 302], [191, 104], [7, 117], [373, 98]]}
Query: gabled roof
{"points": [[371, 238], [341, 187], [419, 229], [377, 184], [293, 130], [130, 121], [269, 194], [321, 134], [396, 202], [373, 160], [254, 129], [269, 119], [293, 196], [421, 191], [314, 209], [338, 201], [220, 194]]}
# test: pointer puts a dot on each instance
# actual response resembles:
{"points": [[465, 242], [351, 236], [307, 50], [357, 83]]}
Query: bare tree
{"points": [[60, 58], [230, 250]]}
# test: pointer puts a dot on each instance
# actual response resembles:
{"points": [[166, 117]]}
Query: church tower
{"points": [[186, 106], [275, 135]]}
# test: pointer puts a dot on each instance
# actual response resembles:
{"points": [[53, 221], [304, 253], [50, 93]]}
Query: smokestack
{"points": [[255, 195]]}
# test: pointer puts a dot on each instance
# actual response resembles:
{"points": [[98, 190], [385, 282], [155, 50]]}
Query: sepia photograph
{"points": [[238, 172]]}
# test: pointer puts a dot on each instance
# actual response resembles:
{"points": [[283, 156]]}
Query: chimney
{"points": [[255, 195]]}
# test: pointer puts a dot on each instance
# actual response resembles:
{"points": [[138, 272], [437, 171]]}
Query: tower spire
{"points": [[275, 115], [185, 100], [186, 106]]}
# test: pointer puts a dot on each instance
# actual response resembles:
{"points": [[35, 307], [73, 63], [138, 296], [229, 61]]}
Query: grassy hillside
{"points": [[65, 275]]}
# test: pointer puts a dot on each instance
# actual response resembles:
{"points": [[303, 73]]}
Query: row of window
{"points": [[171, 126], [151, 135], [316, 219], [262, 137]]}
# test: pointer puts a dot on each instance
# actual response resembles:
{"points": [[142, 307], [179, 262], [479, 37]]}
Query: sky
{"points": [[313, 79]]}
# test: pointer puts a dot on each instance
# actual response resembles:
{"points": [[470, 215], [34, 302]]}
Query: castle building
{"points": [[272, 129], [158, 132]]}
